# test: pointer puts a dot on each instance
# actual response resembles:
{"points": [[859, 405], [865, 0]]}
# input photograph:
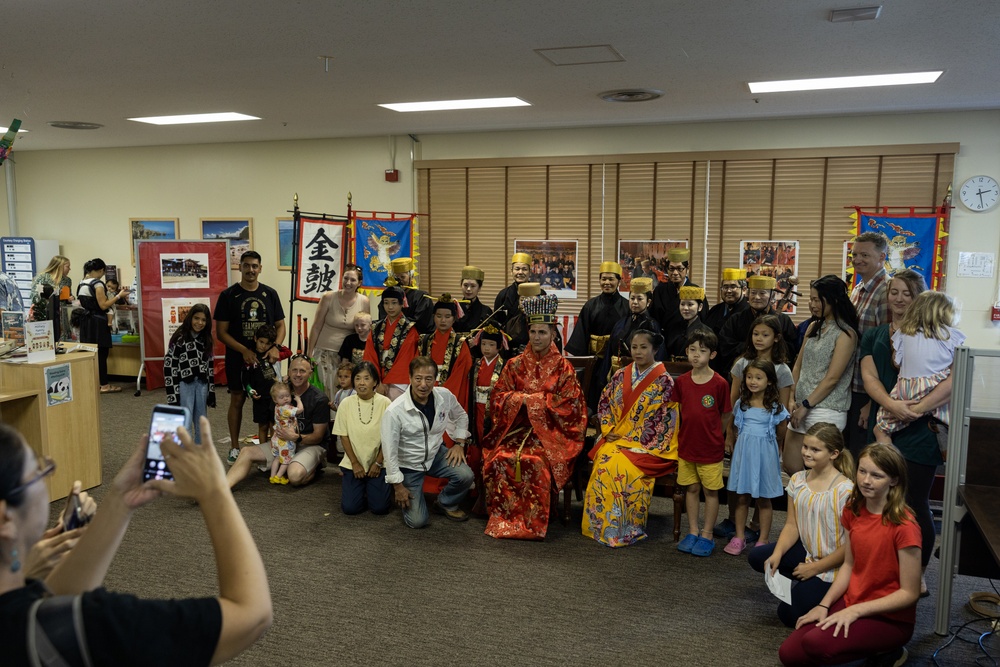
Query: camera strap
{"points": [[56, 636]]}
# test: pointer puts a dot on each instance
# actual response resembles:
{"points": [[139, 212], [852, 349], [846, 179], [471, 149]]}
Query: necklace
{"points": [[371, 414]]}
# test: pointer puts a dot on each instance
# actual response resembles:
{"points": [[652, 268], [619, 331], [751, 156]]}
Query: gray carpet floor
{"points": [[366, 590]]}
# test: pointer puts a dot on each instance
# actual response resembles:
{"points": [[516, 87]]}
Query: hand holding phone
{"points": [[164, 423]]}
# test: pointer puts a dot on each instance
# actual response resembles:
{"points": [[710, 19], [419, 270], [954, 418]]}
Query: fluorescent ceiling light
{"points": [[195, 118], [446, 105], [4, 129], [844, 82]]}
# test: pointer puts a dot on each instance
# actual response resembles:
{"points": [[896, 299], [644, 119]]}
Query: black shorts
{"points": [[234, 373]]}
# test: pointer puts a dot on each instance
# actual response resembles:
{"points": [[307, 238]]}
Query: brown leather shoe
{"points": [[451, 515]]}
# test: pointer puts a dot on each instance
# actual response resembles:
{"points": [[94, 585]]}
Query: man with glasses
{"points": [[733, 290], [871, 299], [666, 302], [760, 298]]}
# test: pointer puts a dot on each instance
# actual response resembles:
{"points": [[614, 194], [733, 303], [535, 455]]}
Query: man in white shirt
{"points": [[412, 430]]}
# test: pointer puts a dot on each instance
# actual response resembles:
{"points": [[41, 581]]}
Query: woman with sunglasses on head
{"points": [[111, 628]]}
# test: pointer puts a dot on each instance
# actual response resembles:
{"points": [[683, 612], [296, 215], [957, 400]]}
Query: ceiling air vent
{"points": [[74, 125], [631, 95]]}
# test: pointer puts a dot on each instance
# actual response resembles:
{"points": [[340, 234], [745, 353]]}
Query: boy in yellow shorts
{"points": [[703, 398]]}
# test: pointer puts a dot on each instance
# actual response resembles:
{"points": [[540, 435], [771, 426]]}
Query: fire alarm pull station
{"points": [[996, 313], [392, 175]]}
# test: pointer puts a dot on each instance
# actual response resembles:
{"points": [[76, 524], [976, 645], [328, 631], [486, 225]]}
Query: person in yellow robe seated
{"points": [[638, 443]]}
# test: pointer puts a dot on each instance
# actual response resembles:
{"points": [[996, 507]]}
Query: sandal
{"points": [[111, 389], [735, 547]]}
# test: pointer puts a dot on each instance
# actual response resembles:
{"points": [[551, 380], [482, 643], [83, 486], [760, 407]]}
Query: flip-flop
{"points": [[113, 389]]}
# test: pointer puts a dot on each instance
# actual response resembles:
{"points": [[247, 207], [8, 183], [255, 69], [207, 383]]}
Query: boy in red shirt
{"points": [[703, 398]]}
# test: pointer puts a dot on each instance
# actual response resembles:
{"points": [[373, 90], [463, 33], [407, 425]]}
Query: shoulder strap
{"points": [[56, 635]]}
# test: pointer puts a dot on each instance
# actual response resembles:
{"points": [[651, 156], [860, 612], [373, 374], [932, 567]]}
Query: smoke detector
{"points": [[74, 125], [631, 95]]}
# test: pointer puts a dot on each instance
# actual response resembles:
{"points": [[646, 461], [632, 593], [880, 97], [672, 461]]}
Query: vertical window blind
{"points": [[476, 209]]}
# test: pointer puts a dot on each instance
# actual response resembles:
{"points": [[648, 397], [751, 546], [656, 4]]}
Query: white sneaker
{"points": [[233, 455]]}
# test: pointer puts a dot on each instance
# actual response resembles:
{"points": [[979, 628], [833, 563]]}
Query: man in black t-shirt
{"points": [[241, 308]]}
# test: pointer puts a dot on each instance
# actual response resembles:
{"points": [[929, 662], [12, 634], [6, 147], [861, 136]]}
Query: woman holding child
{"points": [[638, 443], [335, 322]]}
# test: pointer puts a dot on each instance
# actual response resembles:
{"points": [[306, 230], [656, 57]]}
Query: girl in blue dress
{"points": [[756, 465]]}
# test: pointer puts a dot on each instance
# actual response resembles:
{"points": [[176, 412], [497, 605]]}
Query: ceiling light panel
{"points": [[187, 119], [450, 105], [836, 82]]}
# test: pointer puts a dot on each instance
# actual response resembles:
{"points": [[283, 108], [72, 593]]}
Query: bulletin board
{"points": [[170, 274]]}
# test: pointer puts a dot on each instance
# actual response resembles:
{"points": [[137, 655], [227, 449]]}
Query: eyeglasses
{"points": [[46, 466], [299, 355], [730, 288], [676, 269]]}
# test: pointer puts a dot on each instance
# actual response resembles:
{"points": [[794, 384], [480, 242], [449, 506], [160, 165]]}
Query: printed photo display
{"points": [[238, 231], [184, 271], [777, 259], [644, 259], [553, 264]]}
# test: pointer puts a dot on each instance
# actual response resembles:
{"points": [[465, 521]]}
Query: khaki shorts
{"points": [[310, 457], [709, 475]]}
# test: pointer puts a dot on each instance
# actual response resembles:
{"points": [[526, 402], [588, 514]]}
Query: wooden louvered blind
{"points": [[476, 211]]}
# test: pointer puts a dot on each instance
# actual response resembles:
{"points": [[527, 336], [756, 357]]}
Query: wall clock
{"points": [[980, 193]]}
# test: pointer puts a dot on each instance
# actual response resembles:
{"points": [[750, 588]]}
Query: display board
{"points": [[172, 276]]}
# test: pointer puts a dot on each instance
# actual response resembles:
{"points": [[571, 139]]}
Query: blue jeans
{"points": [[460, 479], [193, 396], [357, 495], [805, 594]]}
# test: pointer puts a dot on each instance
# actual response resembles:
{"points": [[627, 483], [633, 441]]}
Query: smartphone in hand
{"points": [[164, 424], [73, 516]]}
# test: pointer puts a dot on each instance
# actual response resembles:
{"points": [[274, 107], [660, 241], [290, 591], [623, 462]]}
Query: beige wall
{"points": [[85, 198]]}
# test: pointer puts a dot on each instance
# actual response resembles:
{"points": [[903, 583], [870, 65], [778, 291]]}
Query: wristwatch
{"points": [[298, 440], [805, 404]]}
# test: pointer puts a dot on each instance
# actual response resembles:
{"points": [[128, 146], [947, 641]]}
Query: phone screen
{"points": [[166, 419]]}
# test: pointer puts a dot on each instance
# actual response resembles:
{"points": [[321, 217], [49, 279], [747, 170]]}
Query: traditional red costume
{"points": [[539, 421], [391, 346]]}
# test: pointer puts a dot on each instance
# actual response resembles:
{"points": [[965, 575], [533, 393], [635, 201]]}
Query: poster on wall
{"points": [[285, 227], [776, 259], [238, 231], [152, 229], [915, 241], [644, 259], [174, 312], [321, 257], [553, 264], [58, 385], [184, 270]]}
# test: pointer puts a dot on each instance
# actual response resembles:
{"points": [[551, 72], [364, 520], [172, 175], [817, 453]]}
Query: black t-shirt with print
{"points": [[245, 311]]}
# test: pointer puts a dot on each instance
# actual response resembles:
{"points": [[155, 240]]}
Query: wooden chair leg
{"points": [[679, 492]]}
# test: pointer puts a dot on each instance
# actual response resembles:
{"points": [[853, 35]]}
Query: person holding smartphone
{"points": [[123, 629]]}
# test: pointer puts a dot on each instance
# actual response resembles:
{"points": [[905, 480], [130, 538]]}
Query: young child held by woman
{"points": [[284, 417], [924, 350], [811, 546], [188, 372], [756, 467]]}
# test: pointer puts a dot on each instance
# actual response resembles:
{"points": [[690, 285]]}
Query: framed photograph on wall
{"points": [[646, 259], [238, 231], [553, 264], [152, 229], [777, 259], [284, 228]]}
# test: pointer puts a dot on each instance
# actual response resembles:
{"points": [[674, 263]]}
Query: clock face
{"points": [[980, 193]]}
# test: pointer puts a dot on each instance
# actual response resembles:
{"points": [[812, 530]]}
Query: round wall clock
{"points": [[980, 193]]}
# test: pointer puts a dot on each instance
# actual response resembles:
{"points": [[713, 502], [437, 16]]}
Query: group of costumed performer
{"points": [[539, 421]]}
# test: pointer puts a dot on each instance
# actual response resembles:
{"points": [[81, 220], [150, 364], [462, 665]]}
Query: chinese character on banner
{"points": [[321, 257]]}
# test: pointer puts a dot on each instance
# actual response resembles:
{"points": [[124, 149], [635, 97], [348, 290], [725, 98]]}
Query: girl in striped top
{"points": [[811, 545]]}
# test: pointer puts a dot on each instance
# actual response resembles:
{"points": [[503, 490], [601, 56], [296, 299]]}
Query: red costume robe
{"points": [[396, 345], [539, 422]]}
